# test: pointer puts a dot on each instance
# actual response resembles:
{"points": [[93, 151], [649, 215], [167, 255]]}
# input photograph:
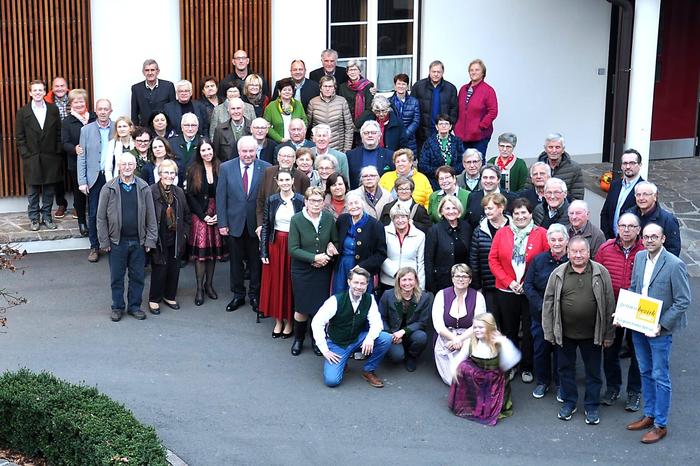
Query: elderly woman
{"points": [[313, 241], [477, 107], [480, 388], [276, 285], [326, 165], [279, 112], [121, 142], [542, 266], [305, 164], [403, 161], [470, 177], [405, 311], [513, 169], [446, 244], [160, 151], [418, 216], [362, 243], [392, 129], [336, 190], [332, 110], [454, 309], [407, 108], [448, 187], [442, 148], [220, 112], [356, 90], [173, 218], [252, 93], [374, 198], [512, 250], [159, 123], [494, 206], [405, 247]]}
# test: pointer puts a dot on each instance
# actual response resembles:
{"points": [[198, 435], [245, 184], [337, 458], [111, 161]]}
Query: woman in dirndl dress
{"points": [[205, 243], [276, 285]]}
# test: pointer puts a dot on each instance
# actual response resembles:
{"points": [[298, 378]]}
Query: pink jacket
{"points": [[475, 122]]}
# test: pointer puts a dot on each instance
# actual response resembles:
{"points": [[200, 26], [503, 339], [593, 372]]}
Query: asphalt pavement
{"points": [[220, 391]]}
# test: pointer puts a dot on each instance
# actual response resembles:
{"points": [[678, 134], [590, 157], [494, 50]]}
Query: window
{"points": [[379, 33]]}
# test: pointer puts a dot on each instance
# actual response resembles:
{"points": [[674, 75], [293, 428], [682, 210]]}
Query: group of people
{"points": [[383, 230]]}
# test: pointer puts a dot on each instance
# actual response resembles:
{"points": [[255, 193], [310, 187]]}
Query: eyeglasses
{"points": [[443, 123], [445, 178], [240, 58], [643, 194], [505, 146], [370, 133], [142, 141], [460, 277], [190, 125], [406, 189], [553, 193], [651, 237], [369, 176], [315, 200], [168, 173], [627, 227]]}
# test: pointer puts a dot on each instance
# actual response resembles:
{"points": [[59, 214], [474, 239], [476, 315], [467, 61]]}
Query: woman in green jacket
{"points": [[514, 172], [279, 112]]}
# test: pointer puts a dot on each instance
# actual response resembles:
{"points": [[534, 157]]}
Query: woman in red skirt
{"points": [[276, 286], [204, 241]]}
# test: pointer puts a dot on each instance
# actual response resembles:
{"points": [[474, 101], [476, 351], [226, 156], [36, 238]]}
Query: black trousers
{"points": [[244, 247], [45, 193], [165, 277], [513, 318]]}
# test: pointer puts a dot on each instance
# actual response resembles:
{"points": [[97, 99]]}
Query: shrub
{"points": [[72, 424]]}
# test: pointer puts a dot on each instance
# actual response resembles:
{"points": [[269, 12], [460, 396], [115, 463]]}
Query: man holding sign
{"points": [[661, 275]]}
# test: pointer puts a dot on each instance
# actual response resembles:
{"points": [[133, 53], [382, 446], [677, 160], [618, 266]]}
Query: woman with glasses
{"points": [[514, 171], [392, 129], [418, 216], [326, 165], [142, 149], [404, 163], [442, 148], [252, 93], [160, 151]]}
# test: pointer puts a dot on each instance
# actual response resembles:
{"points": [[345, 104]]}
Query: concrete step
{"points": [[15, 230]]}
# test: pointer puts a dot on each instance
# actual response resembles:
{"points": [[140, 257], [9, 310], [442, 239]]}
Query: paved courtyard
{"points": [[220, 391]]}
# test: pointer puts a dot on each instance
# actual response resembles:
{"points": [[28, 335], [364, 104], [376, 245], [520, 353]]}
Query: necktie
{"points": [[245, 179]]}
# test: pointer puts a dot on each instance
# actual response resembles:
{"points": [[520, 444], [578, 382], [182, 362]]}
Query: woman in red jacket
{"points": [[512, 250], [477, 108]]}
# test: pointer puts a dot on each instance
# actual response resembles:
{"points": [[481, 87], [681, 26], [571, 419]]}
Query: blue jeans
{"points": [[653, 356], [591, 355], [128, 254], [333, 373], [479, 145], [612, 369], [413, 344], [93, 199], [545, 356]]}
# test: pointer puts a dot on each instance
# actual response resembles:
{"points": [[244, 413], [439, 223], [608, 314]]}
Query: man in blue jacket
{"points": [[649, 211]]}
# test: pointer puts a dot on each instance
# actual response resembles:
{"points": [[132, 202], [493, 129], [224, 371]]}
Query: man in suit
{"points": [[236, 196], [185, 144], [150, 95], [39, 146], [184, 104], [304, 89], [661, 275], [92, 154], [229, 132], [490, 182], [241, 71], [620, 198], [329, 60], [369, 153]]}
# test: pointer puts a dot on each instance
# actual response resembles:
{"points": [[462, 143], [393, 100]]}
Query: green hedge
{"points": [[71, 424]]}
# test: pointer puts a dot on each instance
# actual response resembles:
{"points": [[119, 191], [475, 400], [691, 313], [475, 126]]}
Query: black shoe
{"points": [[235, 304], [175, 305], [199, 298], [254, 304], [410, 363], [276, 334], [287, 335], [138, 314], [316, 349], [297, 346], [83, 229], [210, 292]]}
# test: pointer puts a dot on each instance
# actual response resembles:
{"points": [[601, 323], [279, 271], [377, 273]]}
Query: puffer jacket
{"points": [[423, 91], [540, 215], [336, 114], [431, 157], [410, 116], [409, 253], [482, 278], [611, 256], [570, 172]]}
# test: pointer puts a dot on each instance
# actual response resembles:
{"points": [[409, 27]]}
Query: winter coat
{"points": [[475, 121]]}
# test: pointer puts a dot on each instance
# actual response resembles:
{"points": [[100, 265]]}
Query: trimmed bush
{"points": [[72, 424]]}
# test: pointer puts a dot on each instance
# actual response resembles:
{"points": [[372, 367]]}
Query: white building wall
{"points": [[124, 34], [542, 58]]}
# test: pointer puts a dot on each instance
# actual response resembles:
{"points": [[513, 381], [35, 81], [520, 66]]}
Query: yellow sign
{"points": [[637, 312]]}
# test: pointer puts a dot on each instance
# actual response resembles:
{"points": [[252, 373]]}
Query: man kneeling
{"points": [[347, 315]]}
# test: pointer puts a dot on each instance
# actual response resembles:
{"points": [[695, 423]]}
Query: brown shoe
{"points": [[94, 255], [372, 379], [654, 435], [60, 212], [642, 424]]}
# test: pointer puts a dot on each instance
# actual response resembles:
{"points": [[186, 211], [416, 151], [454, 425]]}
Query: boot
{"points": [[299, 335]]}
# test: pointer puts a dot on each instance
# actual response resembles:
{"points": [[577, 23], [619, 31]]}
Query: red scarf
{"points": [[359, 86], [501, 164], [382, 125]]}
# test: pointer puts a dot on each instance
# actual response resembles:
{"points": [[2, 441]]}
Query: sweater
{"points": [[410, 253], [436, 197], [475, 121], [431, 157], [514, 177]]}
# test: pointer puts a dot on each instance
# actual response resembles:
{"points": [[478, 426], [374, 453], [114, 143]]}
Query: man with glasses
{"points": [[472, 163], [241, 70], [185, 144], [374, 198], [266, 145], [540, 172], [663, 276], [150, 95], [184, 104], [555, 208], [620, 197], [649, 211], [369, 153]]}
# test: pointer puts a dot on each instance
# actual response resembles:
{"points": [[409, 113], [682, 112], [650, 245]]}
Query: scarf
{"points": [[357, 87], [382, 127], [435, 105], [285, 109], [166, 193], [520, 236], [81, 118], [355, 227], [445, 149], [505, 165]]}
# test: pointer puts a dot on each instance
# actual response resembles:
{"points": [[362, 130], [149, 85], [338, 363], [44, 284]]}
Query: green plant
{"points": [[72, 424]]}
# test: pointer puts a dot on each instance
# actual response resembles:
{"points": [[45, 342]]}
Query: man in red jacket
{"points": [[617, 255]]}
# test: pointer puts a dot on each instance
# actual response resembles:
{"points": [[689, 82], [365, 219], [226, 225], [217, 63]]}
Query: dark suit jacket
{"points": [[607, 213], [235, 209], [174, 112], [267, 153], [385, 163], [40, 149], [341, 74], [269, 187], [474, 209], [183, 157], [309, 90], [144, 101], [225, 142]]}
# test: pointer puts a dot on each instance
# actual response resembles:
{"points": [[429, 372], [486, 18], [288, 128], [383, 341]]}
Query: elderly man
{"points": [[649, 211], [555, 208], [580, 225], [304, 89], [490, 182], [127, 230], [436, 96], [184, 104], [374, 198], [562, 165], [472, 163], [150, 95], [330, 68], [58, 95], [39, 146], [661, 275], [92, 156], [266, 146], [297, 136], [618, 256], [333, 111], [228, 133], [620, 198], [236, 197], [241, 70], [577, 313], [348, 322], [369, 153], [185, 144], [540, 172], [322, 136]]}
